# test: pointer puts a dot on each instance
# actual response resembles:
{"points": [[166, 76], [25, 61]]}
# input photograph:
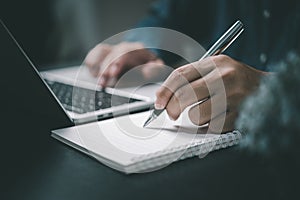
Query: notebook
{"points": [[123, 144]]}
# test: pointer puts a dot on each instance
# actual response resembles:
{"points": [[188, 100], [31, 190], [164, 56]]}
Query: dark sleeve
{"points": [[178, 15], [166, 14], [161, 14]]}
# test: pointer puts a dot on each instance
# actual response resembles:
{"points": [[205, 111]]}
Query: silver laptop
{"points": [[84, 102]]}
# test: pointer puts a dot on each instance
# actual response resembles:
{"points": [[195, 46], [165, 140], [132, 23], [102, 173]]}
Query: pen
{"points": [[219, 47]]}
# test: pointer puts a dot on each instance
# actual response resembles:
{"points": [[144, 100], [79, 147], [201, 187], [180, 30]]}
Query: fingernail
{"points": [[158, 106]]}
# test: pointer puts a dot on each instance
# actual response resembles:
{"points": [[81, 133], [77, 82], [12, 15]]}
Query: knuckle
{"points": [[230, 73], [130, 45], [121, 47], [219, 59], [180, 70], [138, 45], [177, 75], [122, 44], [101, 47], [162, 93]]}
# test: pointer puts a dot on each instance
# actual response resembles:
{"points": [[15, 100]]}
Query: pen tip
{"points": [[147, 122]]}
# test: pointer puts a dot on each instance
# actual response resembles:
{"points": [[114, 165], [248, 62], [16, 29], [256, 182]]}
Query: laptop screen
{"points": [[22, 85]]}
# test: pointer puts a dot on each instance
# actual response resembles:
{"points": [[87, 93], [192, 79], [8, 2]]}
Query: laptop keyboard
{"points": [[82, 100]]}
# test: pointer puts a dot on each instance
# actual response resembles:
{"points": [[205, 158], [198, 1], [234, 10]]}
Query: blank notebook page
{"points": [[123, 139]]}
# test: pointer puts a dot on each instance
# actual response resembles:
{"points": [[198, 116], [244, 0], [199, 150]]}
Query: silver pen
{"points": [[219, 47]]}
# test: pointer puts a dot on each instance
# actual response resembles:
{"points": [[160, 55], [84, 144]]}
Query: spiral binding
{"points": [[165, 157]]}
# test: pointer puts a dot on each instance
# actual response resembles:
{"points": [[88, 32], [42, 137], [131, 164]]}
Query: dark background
{"points": [[35, 166], [61, 32]]}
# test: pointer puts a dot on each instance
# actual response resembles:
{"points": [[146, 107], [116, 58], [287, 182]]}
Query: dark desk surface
{"points": [[35, 166]]}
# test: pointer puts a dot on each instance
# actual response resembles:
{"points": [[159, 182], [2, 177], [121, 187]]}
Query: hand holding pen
{"points": [[238, 78]]}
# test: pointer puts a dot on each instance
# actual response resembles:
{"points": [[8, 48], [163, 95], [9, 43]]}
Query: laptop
{"points": [[80, 101]]}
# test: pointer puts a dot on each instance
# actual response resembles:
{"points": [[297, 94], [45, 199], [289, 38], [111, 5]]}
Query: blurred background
{"points": [[61, 32]]}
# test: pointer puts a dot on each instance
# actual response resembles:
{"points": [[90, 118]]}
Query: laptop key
{"points": [[81, 100]]}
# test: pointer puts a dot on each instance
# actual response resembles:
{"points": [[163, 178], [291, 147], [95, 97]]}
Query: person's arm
{"points": [[106, 62]]}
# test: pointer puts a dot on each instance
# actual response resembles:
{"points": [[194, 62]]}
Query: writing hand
{"points": [[201, 80]]}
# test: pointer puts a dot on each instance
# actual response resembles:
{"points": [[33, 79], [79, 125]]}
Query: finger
{"points": [[223, 123], [134, 56], [180, 77], [110, 67], [196, 91], [122, 56], [153, 68], [187, 95], [95, 57], [208, 110], [119, 65], [114, 70]]}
